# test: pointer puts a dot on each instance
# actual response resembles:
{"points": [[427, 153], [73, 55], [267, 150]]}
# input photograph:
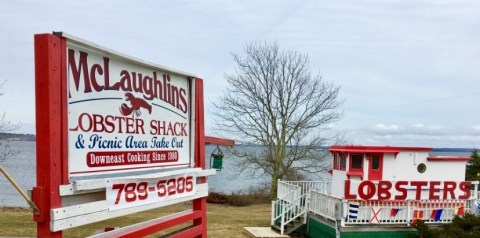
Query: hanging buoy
{"points": [[217, 156]]}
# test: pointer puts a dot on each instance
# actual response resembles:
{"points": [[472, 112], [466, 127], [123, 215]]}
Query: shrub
{"points": [[253, 195], [217, 198], [467, 226], [239, 200]]}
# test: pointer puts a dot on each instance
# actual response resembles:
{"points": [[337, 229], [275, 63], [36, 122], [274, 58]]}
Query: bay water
{"points": [[23, 170]]}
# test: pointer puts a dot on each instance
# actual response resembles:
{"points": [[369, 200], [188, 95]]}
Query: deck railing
{"points": [[299, 196], [324, 204], [352, 212], [283, 188], [398, 212], [307, 186]]}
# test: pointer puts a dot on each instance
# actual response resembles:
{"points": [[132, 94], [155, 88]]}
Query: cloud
{"points": [[418, 134], [428, 127], [418, 128], [383, 127]]}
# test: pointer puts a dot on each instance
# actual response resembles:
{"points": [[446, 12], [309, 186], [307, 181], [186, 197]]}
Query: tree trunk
{"points": [[273, 187]]}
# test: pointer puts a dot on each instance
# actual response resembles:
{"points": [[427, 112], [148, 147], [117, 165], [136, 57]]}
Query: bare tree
{"points": [[274, 100], [5, 127]]}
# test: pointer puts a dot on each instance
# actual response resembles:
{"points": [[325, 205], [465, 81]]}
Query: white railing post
{"points": [[280, 187], [409, 211], [475, 189], [305, 207], [273, 214], [282, 219]]}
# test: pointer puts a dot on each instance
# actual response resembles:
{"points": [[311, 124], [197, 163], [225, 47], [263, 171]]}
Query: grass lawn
{"points": [[222, 220]]}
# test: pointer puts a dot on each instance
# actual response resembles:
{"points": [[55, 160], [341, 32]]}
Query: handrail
{"points": [[295, 208], [290, 205], [279, 204]]}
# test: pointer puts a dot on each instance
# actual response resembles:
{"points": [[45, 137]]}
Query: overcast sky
{"points": [[409, 71]]}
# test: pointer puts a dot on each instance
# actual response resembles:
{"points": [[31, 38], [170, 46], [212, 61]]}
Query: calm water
{"points": [[22, 169]]}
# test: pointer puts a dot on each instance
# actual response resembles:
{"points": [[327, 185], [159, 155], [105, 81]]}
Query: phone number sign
{"points": [[125, 115], [124, 193]]}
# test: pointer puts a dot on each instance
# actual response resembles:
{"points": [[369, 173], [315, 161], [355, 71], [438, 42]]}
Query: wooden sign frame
{"points": [[65, 203]]}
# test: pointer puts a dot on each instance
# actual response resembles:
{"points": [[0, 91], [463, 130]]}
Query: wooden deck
{"points": [[263, 232]]}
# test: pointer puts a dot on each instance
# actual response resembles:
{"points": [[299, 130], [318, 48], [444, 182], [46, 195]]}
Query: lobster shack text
{"points": [[127, 125]]}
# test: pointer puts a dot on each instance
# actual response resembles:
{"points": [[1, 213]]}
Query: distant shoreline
{"points": [[17, 137]]}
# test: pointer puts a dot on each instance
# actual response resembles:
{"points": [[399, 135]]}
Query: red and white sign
{"points": [[402, 190], [124, 115], [101, 112], [123, 193]]}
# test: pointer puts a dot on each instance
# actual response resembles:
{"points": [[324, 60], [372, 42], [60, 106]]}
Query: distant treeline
{"points": [[17, 137]]}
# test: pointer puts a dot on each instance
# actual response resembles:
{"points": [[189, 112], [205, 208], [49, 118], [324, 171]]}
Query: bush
{"points": [[239, 200], [467, 226], [217, 198], [253, 195]]}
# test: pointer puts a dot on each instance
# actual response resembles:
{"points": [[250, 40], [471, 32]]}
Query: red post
{"points": [[200, 204], [50, 90]]}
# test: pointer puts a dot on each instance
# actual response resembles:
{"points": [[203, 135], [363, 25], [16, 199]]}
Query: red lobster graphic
{"points": [[136, 104]]}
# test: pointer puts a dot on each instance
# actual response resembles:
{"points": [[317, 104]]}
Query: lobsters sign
{"points": [[402, 190], [124, 114]]}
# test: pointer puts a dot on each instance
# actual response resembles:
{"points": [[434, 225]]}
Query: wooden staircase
{"points": [[290, 227], [289, 212]]}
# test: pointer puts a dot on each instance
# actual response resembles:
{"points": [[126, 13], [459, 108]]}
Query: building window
{"points": [[356, 161], [375, 162], [343, 161], [336, 161]]}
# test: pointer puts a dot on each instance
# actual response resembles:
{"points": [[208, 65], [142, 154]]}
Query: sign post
{"points": [[115, 135]]}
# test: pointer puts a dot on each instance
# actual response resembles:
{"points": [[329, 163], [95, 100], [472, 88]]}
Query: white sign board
{"points": [[125, 115]]}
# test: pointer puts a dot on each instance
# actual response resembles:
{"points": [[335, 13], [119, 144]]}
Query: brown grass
{"points": [[228, 221], [222, 220]]}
